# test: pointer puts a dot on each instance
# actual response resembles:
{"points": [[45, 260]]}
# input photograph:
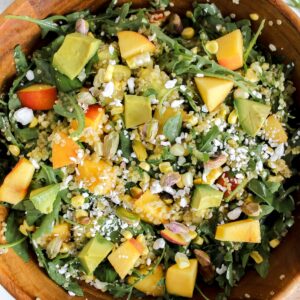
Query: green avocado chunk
{"points": [[76, 50], [43, 198], [137, 110], [94, 252], [251, 114], [205, 196]]}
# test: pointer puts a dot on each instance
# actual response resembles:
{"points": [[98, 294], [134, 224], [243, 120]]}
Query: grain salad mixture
{"points": [[145, 152]]}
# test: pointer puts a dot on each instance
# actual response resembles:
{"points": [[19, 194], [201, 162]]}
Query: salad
{"points": [[145, 152]]}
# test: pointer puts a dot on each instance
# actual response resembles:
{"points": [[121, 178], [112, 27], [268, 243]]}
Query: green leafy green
{"points": [[12, 235], [125, 145], [20, 60], [204, 142], [172, 127]]}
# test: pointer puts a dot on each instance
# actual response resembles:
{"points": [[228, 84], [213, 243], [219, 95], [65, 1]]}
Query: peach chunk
{"points": [[15, 185], [274, 130], [244, 231], [230, 50]]}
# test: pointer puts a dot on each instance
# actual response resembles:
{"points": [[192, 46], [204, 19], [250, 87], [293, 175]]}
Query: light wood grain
{"points": [[28, 281]]}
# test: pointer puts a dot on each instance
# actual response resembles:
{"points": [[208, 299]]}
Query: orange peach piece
{"points": [[64, 151], [274, 130], [98, 177], [38, 96], [125, 256], [230, 50], [132, 43], [15, 185], [244, 231]]}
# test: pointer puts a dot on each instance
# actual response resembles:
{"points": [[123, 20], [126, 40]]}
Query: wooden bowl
{"points": [[28, 281]]}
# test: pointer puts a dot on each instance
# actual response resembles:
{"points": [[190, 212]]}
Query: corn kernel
{"points": [[191, 120], [189, 14], [109, 73], [117, 110], [88, 234], [77, 201], [14, 150], [195, 50], [254, 16], [232, 143], [33, 123], [139, 150], [223, 112], [198, 181], [182, 260], [136, 192], [165, 167], [188, 33], [198, 240], [177, 150], [187, 179], [80, 213], [257, 257], [145, 166], [232, 118], [212, 47], [251, 75], [239, 93], [25, 228], [180, 184], [65, 248], [213, 175], [127, 234], [274, 243], [193, 234]]}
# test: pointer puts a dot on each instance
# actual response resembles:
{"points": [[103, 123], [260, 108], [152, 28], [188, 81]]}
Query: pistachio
{"points": [[84, 220], [170, 179], [53, 247], [216, 162], [207, 269], [149, 130], [251, 209], [110, 144], [82, 26], [174, 24]]}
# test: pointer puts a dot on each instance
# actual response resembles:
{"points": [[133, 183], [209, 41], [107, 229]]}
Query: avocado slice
{"points": [[76, 50], [205, 196], [94, 252], [43, 198], [137, 110], [251, 114]]}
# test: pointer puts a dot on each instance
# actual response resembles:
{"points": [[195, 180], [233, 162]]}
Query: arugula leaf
{"points": [[12, 234], [20, 60], [27, 134], [172, 127], [125, 145], [204, 143], [13, 244], [253, 41], [48, 220], [261, 190], [69, 108], [65, 84], [48, 175], [6, 130], [105, 273], [47, 25]]}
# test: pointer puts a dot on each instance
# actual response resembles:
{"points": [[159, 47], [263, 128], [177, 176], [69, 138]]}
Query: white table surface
{"points": [[4, 295]]}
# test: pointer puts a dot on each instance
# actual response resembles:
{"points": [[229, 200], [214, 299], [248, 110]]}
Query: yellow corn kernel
{"points": [[188, 33], [117, 110], [251, 75], [198, 240], [65, 248], [195, 50], [165, 167], [212, 47], [79, 213], [109, 73], [180, 184], [136, 192], [88, 234], [257, 257], [223, 112], [232, 143], [139, 150], [145, 166], [274, 243], [25, 228], [254, 17], [191, 120], [198, 181], [14, 150], [116, 118], [182, 260], [213, 175], [77, 201], [141, 238], [127, 234], [189, 14], [232, 118], [33, 123]]}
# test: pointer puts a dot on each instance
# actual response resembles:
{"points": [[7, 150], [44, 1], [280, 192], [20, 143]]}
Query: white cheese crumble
{"points": [[131, 85], [234, 214], [170, 84], [30, 75], [177, 103], [221, 270], [159, 244], [24, 115], [272, 47], [111, 49], [108, 90]]}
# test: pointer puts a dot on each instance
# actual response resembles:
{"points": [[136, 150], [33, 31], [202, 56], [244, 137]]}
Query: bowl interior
{"points": [[28, 281]]}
